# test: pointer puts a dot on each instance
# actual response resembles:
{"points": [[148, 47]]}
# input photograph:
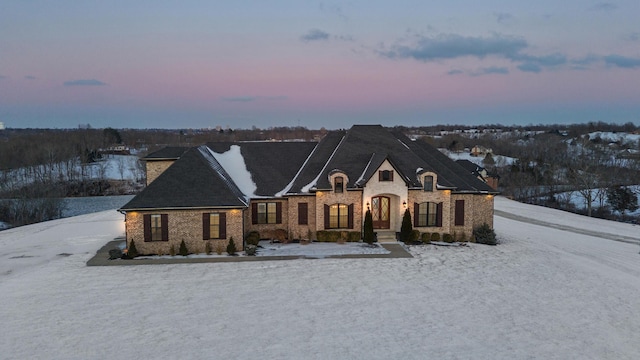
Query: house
{"points": [[218, 191], [479, 150], [491, 178]]}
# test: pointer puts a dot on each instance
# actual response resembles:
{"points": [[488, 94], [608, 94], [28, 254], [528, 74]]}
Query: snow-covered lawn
{"points": [[542, 293]]}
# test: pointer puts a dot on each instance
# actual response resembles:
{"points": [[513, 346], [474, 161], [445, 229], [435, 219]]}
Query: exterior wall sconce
{"points": [[368, 208], [404, 204]]}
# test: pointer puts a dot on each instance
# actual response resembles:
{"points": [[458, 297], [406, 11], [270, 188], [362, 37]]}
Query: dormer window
{"points": [[428, 183], [385, 175], [338, 184]]}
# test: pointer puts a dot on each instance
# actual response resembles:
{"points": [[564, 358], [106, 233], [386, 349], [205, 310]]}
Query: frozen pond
{"points": [[85, 205]]}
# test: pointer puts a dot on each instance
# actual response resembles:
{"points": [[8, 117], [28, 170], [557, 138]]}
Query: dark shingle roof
{"points": [[167, 153], [195, 180], [272, 165]]}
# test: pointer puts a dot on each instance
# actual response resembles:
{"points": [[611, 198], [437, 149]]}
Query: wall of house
{"points": [[346, 197], [302, 232], [183, 225], [268, 231], [437, 196], [478, 209], [156, 167], [396, 190]]}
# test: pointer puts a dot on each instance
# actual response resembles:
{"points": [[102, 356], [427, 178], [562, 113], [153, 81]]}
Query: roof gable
{"points": [[194, 180]]}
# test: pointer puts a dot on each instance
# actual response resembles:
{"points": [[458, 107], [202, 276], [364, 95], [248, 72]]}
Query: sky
{"points": [[200, 64]]}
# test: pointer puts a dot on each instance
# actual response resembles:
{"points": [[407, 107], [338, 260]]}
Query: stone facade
{"points": [[268, 231], [156, 167], [183, 225], [297, 231]]}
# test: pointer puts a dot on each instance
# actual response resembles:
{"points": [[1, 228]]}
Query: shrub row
{"points": [[338, 236]]}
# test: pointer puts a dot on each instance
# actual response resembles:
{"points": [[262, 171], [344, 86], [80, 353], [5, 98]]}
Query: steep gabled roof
{"points": [[167, 153], [364, 147], [195, 180], [273, 165]]}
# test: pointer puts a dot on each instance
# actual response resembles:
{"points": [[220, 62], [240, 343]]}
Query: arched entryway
{"points": [[380, 212]]}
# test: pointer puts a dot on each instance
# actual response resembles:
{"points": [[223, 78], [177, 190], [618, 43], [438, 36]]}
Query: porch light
{"points": [[368, 208], [404, 204]]}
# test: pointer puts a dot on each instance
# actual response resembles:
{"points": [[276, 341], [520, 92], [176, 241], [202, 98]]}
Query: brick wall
{"points": [[268, 231], [156, 167], [182, 225], [302, 232], [437, 196]]}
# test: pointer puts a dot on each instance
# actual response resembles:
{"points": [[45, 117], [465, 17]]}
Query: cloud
{"points": [[633, 36], [530, 67], [491, 70], [84, 82], [240, 98], [455, 72], [315, 35], [453, 46], [503, 18], [604, 6], [30, 77], [587, 60], [250, 98], [333, 9], [541, 61], [622, 61]]}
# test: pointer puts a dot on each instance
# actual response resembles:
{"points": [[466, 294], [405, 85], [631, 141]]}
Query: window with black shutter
{"points": [[303, 213], [459, 221]]}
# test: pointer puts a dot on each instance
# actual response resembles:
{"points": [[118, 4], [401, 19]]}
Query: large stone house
{"points": [[215, 192]]}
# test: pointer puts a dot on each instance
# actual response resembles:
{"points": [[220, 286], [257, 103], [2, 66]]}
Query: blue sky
{"points": [[316, 63]]}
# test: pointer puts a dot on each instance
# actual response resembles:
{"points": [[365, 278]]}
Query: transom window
{"points": [[385, 175], [267, 213], [338, 184], [338, 216], [428, 183]]}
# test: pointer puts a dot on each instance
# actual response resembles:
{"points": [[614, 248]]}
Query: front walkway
{"points": [[396, 250]]}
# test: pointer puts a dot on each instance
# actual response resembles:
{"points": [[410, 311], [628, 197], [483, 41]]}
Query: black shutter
{"points": [[350, 216], [223, 225], [439, 214], [303, 214], [254, 213], [459, 213], [206, 217], [391, 175], [416, 214], [278, 213], [146, 219], [326, 216], [164, 218], [379, 175]]}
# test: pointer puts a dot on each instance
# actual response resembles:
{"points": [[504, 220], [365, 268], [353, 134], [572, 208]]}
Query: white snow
{"points": [[614, 137], [233, 163], [306, 188], [543, 293], [499, 160], [288, 187]]}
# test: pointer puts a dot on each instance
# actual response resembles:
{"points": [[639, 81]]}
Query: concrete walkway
{"points": [[396, 250]]}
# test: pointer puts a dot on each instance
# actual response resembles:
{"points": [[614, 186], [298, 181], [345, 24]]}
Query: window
{"points": [[385, 175], [214, 226], [303, 213], [156, 227], [338, 216], [459, 221], [338, 184], [266, 213], [428, 183], [427, 214]]}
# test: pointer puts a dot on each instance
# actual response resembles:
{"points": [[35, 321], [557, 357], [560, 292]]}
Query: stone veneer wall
{"points": [[156, 167], [301, 232], [267, 231], [347, 197], [182, 225], [437, 196]]}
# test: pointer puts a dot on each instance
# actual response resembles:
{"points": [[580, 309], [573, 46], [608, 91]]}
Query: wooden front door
{"points": [[380, 209]]}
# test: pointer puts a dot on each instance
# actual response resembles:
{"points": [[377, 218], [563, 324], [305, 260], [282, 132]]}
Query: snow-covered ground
{"points": [[614, 137], [542, 293], [577, 199], [499, 160]]}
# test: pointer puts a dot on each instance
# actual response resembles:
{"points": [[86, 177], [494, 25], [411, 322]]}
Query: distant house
{"points": [[215, 192], [481, 173], [480, 151]]}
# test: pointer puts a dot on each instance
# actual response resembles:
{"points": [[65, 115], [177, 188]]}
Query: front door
{"points": [[380, 212]]}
